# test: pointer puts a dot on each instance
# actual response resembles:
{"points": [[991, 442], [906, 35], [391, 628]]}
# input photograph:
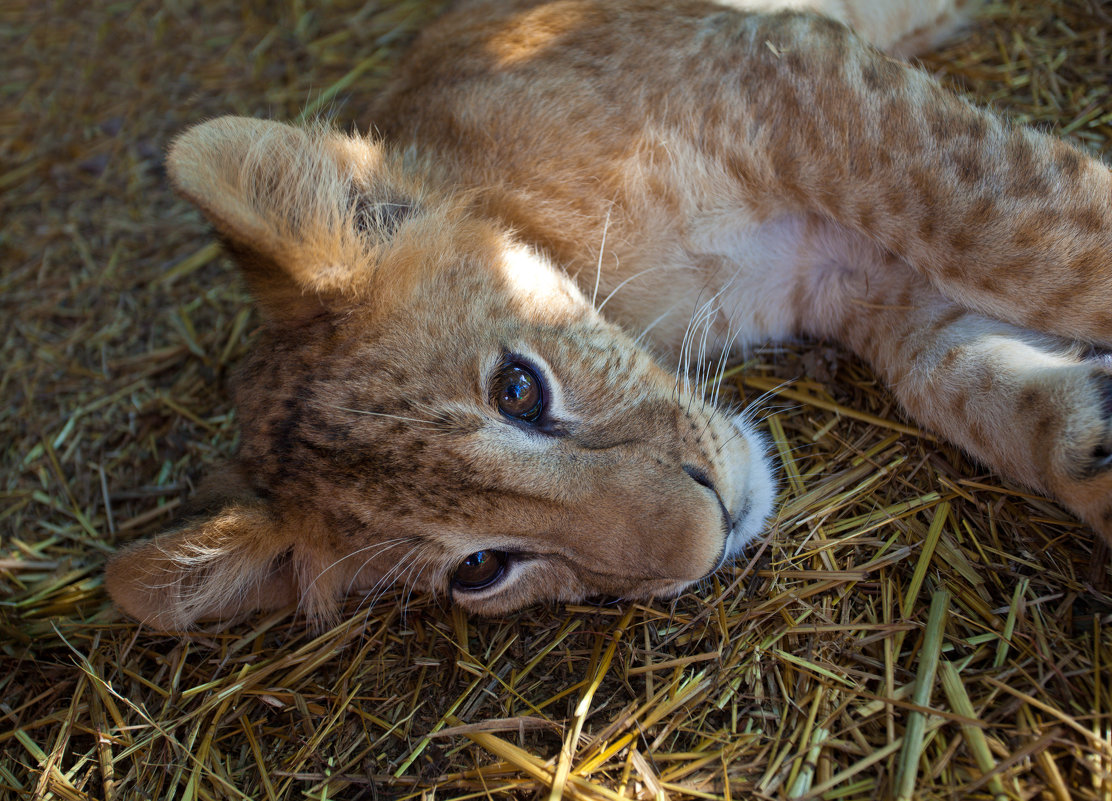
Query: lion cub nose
{"points": [[699, 477], [703, 480]]}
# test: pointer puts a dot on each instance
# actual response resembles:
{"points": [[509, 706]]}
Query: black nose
{"points": [[703, 480], [699, 477]]}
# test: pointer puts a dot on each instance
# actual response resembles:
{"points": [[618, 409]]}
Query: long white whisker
{"points": [[389, 578], [652, 325], [771, 411], [708, 312], [413, 575], [377, 548], [702, 318], [716, 382], [409, 583], [375, 593], [763, 397], [601, 250], [723, 361], [720, 367], [614, 291], [427, 423], [707, 324], [683, 362]]}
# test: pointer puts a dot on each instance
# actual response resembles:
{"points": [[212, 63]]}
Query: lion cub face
{"points": [[431, 404]]}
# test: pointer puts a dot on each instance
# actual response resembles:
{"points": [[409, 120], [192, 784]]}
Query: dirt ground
{"points": [[793, 675]]}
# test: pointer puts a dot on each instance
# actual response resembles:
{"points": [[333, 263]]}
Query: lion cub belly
{"points": [[740, 282]]}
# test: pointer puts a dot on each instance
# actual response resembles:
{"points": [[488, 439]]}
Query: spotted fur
{"points": [[598, 189]]}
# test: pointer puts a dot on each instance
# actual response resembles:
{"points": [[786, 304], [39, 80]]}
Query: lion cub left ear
{"points": [[212, 566], [307, 213], [237, 557]]}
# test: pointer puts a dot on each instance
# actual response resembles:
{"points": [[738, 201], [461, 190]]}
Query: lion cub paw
{"points": [[1085, 448]]}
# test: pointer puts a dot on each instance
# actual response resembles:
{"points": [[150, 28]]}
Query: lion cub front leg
{"points": [[1036, 408]]}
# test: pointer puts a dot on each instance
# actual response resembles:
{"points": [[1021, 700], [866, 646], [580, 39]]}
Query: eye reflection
{"points": [[480, 570], [517, 392]]}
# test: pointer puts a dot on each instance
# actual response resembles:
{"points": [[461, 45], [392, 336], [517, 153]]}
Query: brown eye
{"points": [[480, 570], [517, 392]]}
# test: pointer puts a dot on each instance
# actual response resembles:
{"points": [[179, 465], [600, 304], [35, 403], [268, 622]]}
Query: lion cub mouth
{"points": [[754, 505]]}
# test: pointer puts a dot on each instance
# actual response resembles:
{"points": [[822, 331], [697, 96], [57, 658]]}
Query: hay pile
{"points": [[913, 626]]}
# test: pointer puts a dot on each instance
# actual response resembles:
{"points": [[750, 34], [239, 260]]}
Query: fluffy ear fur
{"points": [[238, 558], [305, 212]]}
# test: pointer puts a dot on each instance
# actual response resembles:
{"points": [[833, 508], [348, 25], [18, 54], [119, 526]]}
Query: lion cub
{"points": [[457, 386]]}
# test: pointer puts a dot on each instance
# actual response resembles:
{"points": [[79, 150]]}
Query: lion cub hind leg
{"points": [[1035, 408]]}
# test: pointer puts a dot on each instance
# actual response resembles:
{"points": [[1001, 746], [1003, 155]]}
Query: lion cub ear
{"points": [[237, 555], [212, 566], [305, 212]]}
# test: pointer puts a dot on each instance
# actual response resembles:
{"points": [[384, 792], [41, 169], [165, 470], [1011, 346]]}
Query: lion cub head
{"points": [[430, 403]]}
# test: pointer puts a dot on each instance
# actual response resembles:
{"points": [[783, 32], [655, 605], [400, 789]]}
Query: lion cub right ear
{"points": [[305, 212]]}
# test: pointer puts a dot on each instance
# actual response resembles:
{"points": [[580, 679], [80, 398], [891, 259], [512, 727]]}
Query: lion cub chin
{"points": [[431, 403]]}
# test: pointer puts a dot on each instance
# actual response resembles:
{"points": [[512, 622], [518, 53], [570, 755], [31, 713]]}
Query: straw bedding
{"points": [[912, 627]]}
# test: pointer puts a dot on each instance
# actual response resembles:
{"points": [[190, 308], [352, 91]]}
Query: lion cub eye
{"points": [[518, 393], [481, 569]]}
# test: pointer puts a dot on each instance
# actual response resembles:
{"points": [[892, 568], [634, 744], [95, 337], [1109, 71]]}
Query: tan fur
{"points": [[559, 173]]}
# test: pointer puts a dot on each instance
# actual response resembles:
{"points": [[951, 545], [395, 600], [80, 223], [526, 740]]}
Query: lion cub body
{"points": [[571, 192]]}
